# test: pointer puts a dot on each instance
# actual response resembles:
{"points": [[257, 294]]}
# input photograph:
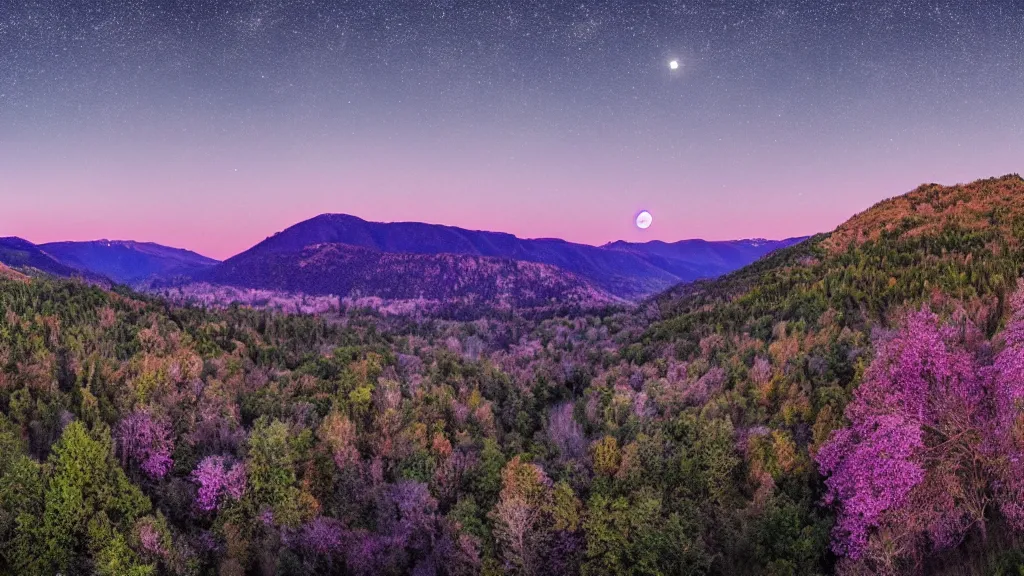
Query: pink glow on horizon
{"points": [[221, 235], [224, 229], [222, 201], [223, 240]]}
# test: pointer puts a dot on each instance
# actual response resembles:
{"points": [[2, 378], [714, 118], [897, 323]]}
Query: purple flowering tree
{"points": [[218, 481], [146, 442], [408, 514], [322, 536], [934, 440], [917, 386], [367, 553], [1007, 431], [871, 469]]}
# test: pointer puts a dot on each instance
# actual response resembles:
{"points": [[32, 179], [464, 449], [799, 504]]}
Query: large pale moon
{"points": [[643, 220], [673, 65]]}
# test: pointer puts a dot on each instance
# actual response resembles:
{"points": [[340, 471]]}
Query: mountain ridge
{"points": [[24, 256], [944, 238], [620, 271], [128, 261], [625, 272]]}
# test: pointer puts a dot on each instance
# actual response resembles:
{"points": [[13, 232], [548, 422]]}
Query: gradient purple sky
{"points": [[785, 119]]}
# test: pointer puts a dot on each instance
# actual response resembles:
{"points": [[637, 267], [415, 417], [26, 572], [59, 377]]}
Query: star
{"points": [[673, 65]]}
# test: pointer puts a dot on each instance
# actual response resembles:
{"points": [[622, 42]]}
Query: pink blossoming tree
{"points": [[147, 442], [218, 481], [934, 440]]}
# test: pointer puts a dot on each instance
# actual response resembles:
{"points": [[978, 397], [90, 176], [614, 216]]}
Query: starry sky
{"points": [[211, 124]]}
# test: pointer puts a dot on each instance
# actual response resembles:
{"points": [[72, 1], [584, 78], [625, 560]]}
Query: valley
{"points": [[848, 403]]}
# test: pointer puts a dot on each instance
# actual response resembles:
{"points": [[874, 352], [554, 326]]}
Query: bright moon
{"points": [[674, 65], [643, 220]]}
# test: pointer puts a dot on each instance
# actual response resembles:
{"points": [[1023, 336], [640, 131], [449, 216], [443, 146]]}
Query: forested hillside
{"points": [[333, 269], [852, 404]]}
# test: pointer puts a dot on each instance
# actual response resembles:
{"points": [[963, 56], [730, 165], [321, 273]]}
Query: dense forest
{"points": [[852, 404]]}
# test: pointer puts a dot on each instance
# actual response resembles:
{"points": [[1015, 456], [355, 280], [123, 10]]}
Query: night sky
{"points": [[210, 125]]}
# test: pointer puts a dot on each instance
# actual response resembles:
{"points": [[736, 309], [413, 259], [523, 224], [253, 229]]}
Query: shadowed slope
{"points": [[333, 268], [25, 256]]}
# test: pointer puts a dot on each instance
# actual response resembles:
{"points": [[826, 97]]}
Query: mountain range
{"points": [[22, 255], [128, 262], [623, 270], [338, 254]]}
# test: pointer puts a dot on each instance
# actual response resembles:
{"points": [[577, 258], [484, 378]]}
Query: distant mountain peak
{"points": [[129, 261], [15, 241], [24, 256]]}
